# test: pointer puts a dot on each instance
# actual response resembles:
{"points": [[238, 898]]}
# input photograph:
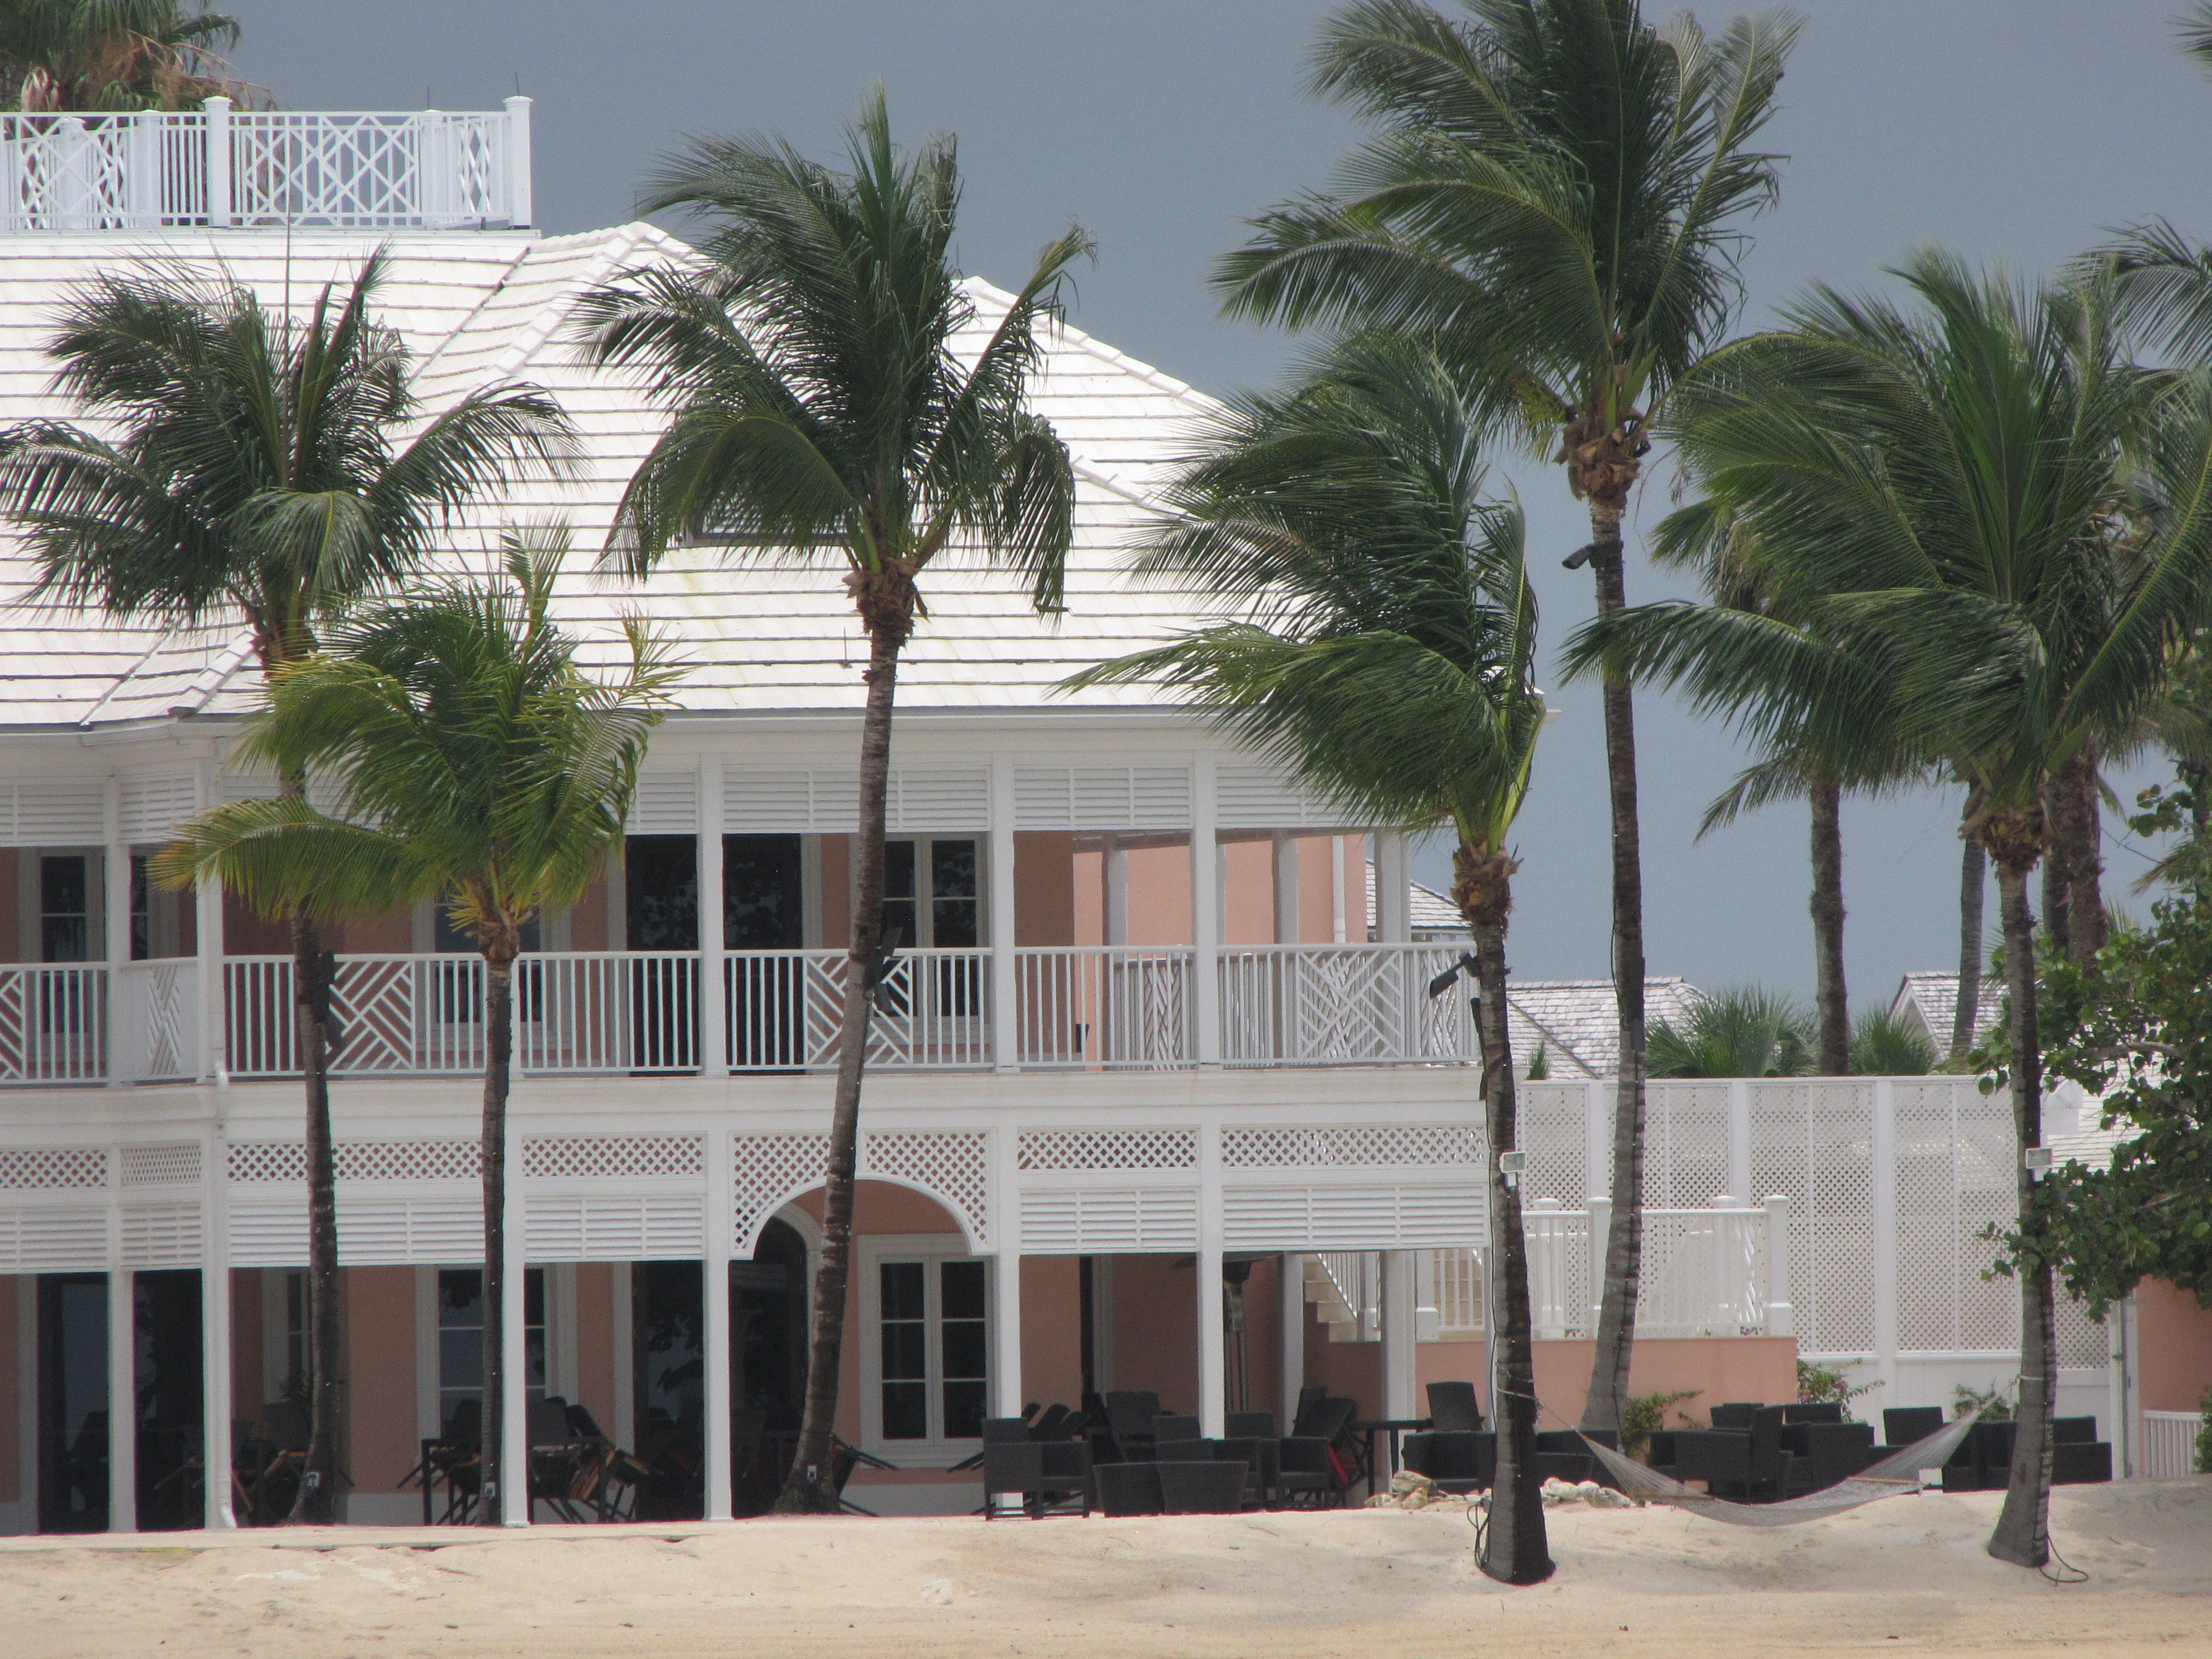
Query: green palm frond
{"points": [[1744, 1031]]}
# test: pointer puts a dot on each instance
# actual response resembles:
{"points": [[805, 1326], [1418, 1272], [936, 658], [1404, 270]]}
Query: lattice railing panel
{"points": [[1685, 1143], [1109, 1006], [1554, 1134], [766, 1172], [951, 1165], [613, 1156], [1813, 1144], [1424, 1144], [1341, 1006], [45, 1168], [1106, 1149], [53, 1024]]}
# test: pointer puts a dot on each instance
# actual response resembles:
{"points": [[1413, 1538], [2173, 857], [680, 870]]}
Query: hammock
{"points": [[1899, 1472]]}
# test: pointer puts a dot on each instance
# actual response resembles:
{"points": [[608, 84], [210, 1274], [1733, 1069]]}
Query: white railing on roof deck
{"points": [[786, 1011], [1342, 1005], [591, 1012], [2169, 1444], [218, 166], [1110, 1007], [53, 1023]]}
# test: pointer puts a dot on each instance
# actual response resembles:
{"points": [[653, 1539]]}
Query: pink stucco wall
{"points": [[2174, 1346], [595, 1348], [248, 1388], [1044, 887], [1156, 1328], [377, 1305], [1761, 1368]]}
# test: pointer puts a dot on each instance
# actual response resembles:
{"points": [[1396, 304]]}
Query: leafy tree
{"points": [[475, 765], [115, 55], [1887, 1044], [1381, 645], [837, 393], [1945, 475], [256, 468], [1744, 1031], [1556, 194]]}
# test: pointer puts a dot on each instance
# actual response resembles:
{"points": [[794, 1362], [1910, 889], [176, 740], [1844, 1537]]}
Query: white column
{"points": [[1206, 914], [1882, 1195], [122, 1402], [1005, 1012], [1597, 1120], [713, 989], [115, 945], [1601, 1234], [715, 1282], [207, 927], [514, 1348], [622, 1315], [1004, 1237], [1394, 897], [1115, 857], [520, 209], [214, 1337], [1781, 1317], [1398, 1334], [218, 160], [1287, 887], [1212, 1334], [1292, 1271]]}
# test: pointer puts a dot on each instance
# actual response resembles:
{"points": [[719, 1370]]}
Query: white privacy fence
{"points": [[220, 167], [1719, 1271], [2169, 1443]]}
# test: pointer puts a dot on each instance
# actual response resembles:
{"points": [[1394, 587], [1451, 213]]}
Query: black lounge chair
{"points": [[1046, 1476], [1310, 1469], [1205, 1487], [1453, 1408], [1903, 1424], [1459, 1461], [1249, 1425], [1129, 1488]]}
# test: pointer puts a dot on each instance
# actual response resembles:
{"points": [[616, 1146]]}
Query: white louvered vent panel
{"points": [[246, 786], [401, 1232], [33, 1168], [42, 1241], [553, 1228], [1101, 797], [157, 1236], [1109, 1220], [267, 1235], [1350, 1218], [1107, 1149], [665, 804], [579, 1228], [58, 814], [1260, 798], [613, 1156], [154, 807], [768, 803], [929, 798], [161, 1166]]}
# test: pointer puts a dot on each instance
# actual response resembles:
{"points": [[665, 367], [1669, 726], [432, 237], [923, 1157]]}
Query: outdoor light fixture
{"points": [[1511, 1165], [2038, 1161]]}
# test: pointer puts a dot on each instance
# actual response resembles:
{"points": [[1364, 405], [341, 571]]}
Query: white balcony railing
{"points": [[1109, 1006], [1341, 1004], [786, 1009], [53, 1023], [220, 166]]}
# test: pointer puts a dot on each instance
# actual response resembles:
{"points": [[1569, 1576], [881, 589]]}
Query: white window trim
{"points": [[876, 1248]]}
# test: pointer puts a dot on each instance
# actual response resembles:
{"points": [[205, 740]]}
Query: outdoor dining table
{"points": [[1396, 1427]]}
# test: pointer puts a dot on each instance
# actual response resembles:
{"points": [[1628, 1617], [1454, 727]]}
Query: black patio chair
{"points": [[2081, 1462], [1129, 1488], [1823, 1453], [1310, 1467], [1044, 1476], [1047, 1424], [1453, 1408], [1311, 1399], [1735, 1413], [1262, 1457], [1459, 1460], [997, 1431], [1561, 1455], [1903, 1424], [2073, 1430], [561, 1474], [1249, 1425], [1748, 1464], [1129, 1415], [1813, 1410], [1171, 1426], [1202, 1486]]}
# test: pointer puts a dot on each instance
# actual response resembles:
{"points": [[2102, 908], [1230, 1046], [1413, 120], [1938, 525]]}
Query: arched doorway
{"points": [[768, 1364]]}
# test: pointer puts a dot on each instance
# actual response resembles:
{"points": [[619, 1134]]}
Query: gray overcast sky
{"points": [[2011, 130]]}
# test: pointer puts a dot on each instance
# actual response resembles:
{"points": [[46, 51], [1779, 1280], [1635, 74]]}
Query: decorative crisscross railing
{"points": [[1108, 1006], [786, 1009], [1341, 1004], [218, 166]]}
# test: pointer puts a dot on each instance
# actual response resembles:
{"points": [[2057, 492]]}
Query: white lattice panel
{"points": [[951, 1165], [574, 1227], [1106, 1149], [410, 1160], [2082, 1343], [1686, 1144], [1343, 1217], [34, 1168], [162, 1236], [409, 1231], [161, 1166], [254, 1161], [1813, 1144], [153, 807], [664, 804], [613, 1156], [1109, 1220], [1417, 1145], [1134, 796], [53, 1240], [768, 1172], [1953, 1155], [1554, 1134]]}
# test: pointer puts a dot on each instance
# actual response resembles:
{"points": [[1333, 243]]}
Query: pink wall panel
{"points": [[2173, 1335], [1044, 887], [1156, 1328], [1248, 895], [379, 1308], [1159, 895], [1090, 898], [1052, 1329]]}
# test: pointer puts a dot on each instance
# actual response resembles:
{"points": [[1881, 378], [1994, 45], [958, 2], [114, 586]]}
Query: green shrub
{"points": [[1972, 1402], [2204, 1430], [1884, 1044], [1820, 1384], [1645, 1415], [1747, 1031], [1539, 1063]]}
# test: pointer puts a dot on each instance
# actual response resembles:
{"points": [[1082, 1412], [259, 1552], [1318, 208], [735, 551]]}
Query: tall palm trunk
{"points": [[2023, 1529], [1515, 1547], [2076, 832], [1832, 999], [1973, 877], [808, 1488], [506, 1491], [2058, 866], [1624, 1246], [316, 1503]]}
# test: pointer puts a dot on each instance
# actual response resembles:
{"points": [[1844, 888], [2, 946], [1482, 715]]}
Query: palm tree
{"points": [[115, 55], [1384, 651], [1744, 1031], [254, 468], [476, 766], [1557, 194], [1887, 1044], [1947, 479], [822, 409]]}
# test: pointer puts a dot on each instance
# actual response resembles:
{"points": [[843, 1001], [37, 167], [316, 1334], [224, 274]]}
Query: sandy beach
{"points": [[1905, 1576]]}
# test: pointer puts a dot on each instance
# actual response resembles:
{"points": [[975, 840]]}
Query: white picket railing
{"points": [[786, 1009], [53, 1023], [1342, 1005], [2169, 1444], [1106, 1007], [574, 1011], [220, 166]]}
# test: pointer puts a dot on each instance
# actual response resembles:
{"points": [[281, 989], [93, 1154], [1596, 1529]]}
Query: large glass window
{"points": [[460, 1337], [932, 894], [932, 1348], [64, 908]]}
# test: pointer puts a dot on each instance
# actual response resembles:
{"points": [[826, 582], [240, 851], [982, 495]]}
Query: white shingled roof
{"points": [[480, 308], [1933, 998], [1577, 1021]]}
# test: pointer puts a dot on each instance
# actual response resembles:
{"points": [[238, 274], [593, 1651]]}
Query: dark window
{"points": [[934, 1348], [64, 913], [762, 905], [142, 910], [660, 875], [450, 939], [953, 902], [900, 909], [963, 1348], [460, 1337], [905, 1351]]}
